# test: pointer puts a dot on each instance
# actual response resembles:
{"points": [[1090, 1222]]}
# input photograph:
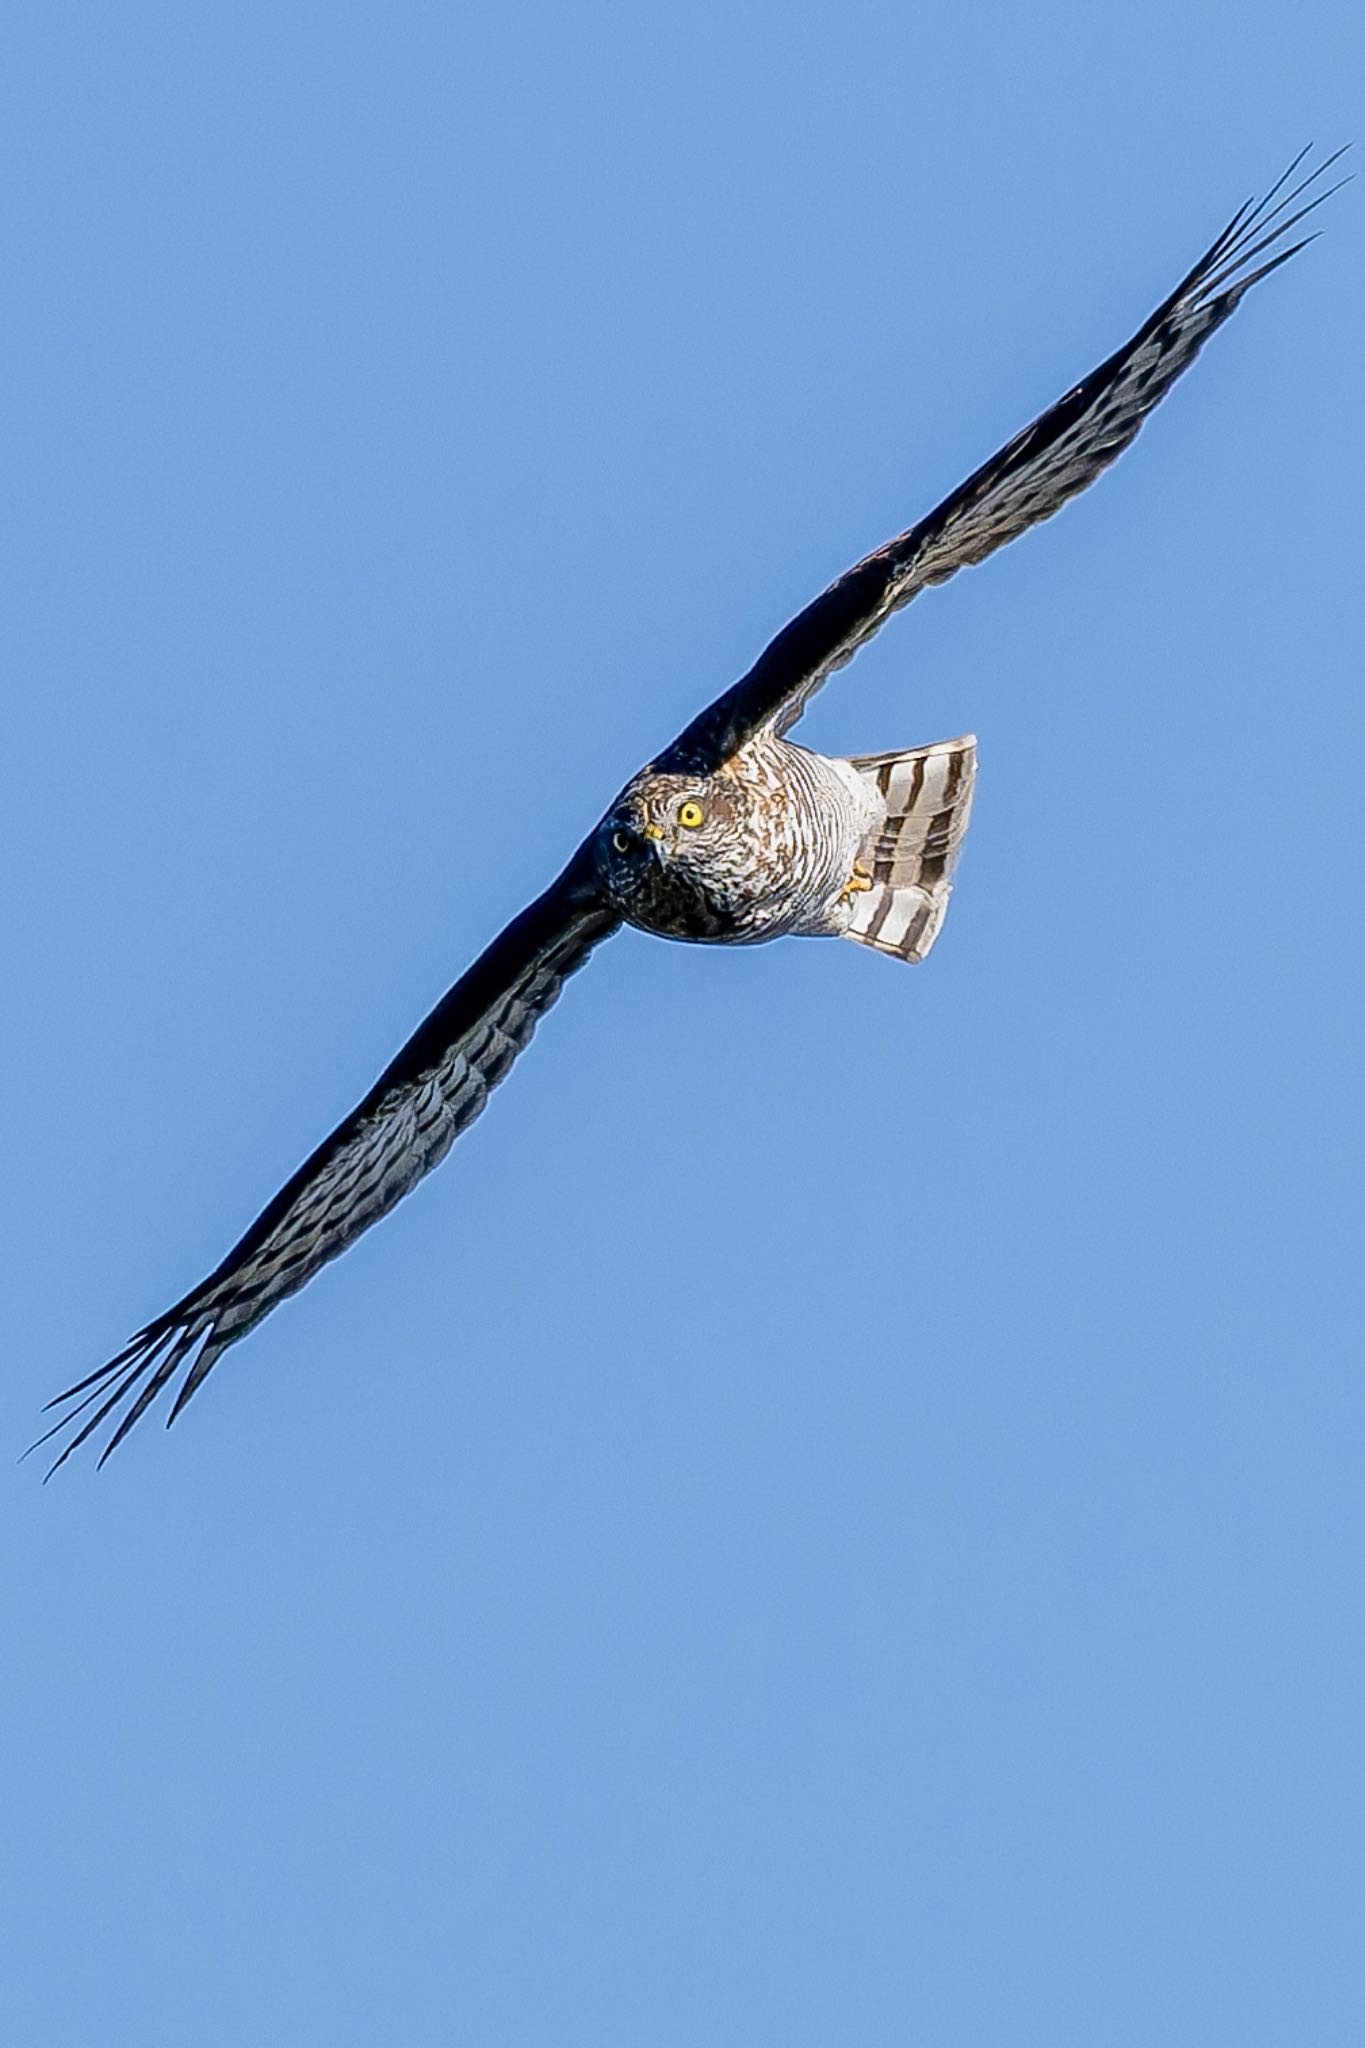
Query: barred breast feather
{"points": [[862, 848]]}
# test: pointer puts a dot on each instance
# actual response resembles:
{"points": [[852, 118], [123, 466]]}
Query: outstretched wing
{"points": [[407, 1123], [1028, 480]]}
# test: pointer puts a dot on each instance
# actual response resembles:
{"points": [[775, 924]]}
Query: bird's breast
{"points": [[769, 868]]}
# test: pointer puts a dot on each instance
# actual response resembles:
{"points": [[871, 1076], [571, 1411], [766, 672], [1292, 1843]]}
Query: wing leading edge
{"points": [[440, 1081], [1026, 481], [430, 1093]]}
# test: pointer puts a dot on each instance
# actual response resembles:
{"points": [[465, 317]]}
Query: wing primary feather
{"points": [[439, 1082], [1026, 481], [1244, 255], [122, 1386], [174, 1358], [102, 1372], [428, 1094], [1265, 212], [130, 1374], [193, 1380], [1292, 166], [1257, 215]]}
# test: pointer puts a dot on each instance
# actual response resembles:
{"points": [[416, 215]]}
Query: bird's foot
{"points": [[858, 883]]}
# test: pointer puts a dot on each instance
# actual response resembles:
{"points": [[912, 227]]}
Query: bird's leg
{"points": [[858, 883]]}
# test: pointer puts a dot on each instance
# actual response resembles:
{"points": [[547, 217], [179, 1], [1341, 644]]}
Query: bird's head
{"points": [[665, 834]]}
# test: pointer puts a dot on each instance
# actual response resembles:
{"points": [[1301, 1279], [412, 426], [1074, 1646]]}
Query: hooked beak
{"points": [[655, 835]]}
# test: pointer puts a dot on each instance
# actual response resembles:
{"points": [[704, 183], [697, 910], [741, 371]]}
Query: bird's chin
{"points": [[661, 899]]}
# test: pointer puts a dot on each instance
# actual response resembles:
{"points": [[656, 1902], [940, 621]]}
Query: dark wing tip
{"points": [[152, 1358], [1110, 405], [1223, 273]]}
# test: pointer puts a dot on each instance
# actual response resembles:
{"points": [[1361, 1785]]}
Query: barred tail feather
{"points": [[927, 799]]}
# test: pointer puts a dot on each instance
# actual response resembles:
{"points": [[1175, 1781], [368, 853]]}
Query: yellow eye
{"points": [[691, 815]]}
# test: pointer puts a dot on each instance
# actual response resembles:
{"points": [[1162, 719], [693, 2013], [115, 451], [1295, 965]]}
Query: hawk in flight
{"points": [[733, 835]]}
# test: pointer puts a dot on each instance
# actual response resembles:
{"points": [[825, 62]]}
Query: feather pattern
{"points": [[431, 1092], [926, 796], [1026, 481], [734, 835]]}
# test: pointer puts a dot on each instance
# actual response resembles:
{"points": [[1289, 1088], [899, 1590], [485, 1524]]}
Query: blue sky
{"points": [[836, 1516]]}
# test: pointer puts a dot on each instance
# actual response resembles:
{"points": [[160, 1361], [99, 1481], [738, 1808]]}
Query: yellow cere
{"points": [[691, 815]]}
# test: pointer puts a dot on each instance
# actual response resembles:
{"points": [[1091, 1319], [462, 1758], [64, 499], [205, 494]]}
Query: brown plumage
{"points": [[732, 836]]}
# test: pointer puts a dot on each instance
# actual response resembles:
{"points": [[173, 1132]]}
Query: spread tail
{"points": [[927, 799]]}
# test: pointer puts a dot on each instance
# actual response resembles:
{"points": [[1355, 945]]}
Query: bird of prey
{"points": [[733, 835]]}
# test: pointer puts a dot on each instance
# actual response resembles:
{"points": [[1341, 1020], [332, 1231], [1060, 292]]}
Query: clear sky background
{"points": [[836, 1516]]}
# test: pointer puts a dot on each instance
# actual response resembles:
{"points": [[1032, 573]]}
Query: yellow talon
{"points": [[859, 882]]}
